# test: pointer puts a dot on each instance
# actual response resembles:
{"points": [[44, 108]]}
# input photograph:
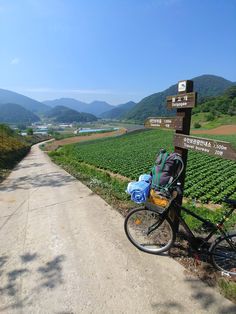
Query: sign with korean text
{"points": [[187, 100], [167, 123], [204, 145]]}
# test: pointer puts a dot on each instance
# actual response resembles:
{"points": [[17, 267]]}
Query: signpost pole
{"points": [[183, 88]]}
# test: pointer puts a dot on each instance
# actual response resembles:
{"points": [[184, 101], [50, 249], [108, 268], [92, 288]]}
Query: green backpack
{"points": [[166, 171]]}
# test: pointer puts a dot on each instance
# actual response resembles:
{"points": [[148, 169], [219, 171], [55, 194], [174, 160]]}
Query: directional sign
{"points": [[187, 100], [205, 145], [162, 122]]}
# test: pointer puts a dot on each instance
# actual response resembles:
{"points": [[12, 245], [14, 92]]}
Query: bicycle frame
{"points": [[213, 227]]}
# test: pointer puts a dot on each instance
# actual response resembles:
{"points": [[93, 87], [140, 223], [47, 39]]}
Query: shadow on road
{"points": [[48, 276], [32, 165], [51, 179], [206, 300]]}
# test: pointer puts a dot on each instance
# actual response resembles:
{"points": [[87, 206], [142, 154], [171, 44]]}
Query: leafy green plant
{"points": [[210, 116], [197, 125], [212, 215]]}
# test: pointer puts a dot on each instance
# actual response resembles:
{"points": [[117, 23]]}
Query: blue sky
{"points": [[113, 50]]}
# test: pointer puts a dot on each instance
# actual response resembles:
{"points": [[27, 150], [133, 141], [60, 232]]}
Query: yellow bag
{"points": [[158, 199]]}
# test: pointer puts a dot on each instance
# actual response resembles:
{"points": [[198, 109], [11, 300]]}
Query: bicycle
{"points": [[151, 230]]}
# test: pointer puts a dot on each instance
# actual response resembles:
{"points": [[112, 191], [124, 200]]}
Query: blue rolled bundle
{"points": [[145, 177], [139, 191]]}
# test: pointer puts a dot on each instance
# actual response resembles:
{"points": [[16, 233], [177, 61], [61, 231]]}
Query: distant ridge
{"points": [[155, 104], [35, 106], [119, 111], [96, 107]]}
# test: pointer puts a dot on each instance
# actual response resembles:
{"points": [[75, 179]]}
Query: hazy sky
{"points": [[113, 50]]}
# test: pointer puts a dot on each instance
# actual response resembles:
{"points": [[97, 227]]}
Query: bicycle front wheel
{"points": [[149, 231], [223, 254]]}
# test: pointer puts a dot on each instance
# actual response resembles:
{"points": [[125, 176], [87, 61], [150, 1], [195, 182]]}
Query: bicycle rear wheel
{"points": [[223, 254], [149, 231]]}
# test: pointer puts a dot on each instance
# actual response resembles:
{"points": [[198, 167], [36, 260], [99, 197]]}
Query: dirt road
{"points": [[77, 139], [63, 250]]}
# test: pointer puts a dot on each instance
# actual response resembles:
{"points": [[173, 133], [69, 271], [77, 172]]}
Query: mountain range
{"points": [[96, 107], [35, 106], [153, 105]]}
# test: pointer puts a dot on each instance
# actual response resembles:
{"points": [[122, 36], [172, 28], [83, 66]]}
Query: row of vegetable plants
{"points": [[208, 178]]}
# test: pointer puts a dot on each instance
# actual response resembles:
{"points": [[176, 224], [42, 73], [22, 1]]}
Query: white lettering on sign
{"points": [[221, 147], [187, 146], [197, 142], [187, 100], [204, 146], [165, 122], [202, 149], [155, 121], [219, 153], [179, 104], [212, 147]]}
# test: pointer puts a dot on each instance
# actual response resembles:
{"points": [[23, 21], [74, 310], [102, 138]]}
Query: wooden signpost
{"points": [[187, 100], [184, 101], [204, 145], [167, 123]]}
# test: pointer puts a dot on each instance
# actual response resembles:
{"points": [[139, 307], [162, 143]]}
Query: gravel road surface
{"points": [[63, 250]]}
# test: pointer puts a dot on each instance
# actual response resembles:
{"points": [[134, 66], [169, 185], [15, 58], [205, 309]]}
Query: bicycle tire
{"points": [[136, 226], [223, 256]]}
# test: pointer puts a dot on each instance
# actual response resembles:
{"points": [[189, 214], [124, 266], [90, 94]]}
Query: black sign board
{"points": [[204, 145], [180, 101], [163, 122]]}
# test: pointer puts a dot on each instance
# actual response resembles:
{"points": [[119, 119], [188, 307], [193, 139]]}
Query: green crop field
{"points": [[208, 178]]}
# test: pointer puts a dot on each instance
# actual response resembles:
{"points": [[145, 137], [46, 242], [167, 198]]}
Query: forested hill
{"points": [[224, 104], [13, 113], [63, 114], [155, 104]]}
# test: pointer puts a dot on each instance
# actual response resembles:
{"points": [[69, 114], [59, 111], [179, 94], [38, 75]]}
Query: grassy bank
{"points": [[205, 121], [13, 148]]}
